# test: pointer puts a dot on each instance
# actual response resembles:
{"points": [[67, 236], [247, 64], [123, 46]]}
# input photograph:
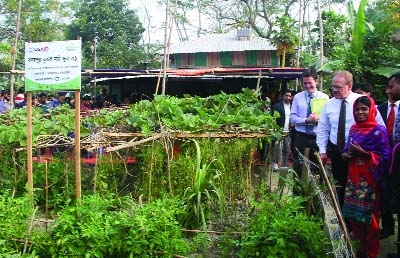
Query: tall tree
{"points": [[39, 20], [285, 37], [117, 31]]}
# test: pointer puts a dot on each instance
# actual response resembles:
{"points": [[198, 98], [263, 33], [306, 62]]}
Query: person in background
{"points": [[86, 104], [20, 97], [102, 100], [68, 100], [362, 88], [2, 103], [7, 103], [365, 89], [388, 111], [393, 90], [42, 102], [282, 148], [305, 121], [367, 152], [58, 101]]}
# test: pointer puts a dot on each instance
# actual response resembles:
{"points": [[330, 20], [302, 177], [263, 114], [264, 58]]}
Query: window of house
{"points": [[238, 58], [263, 57], [187, 59], [213, 59]]}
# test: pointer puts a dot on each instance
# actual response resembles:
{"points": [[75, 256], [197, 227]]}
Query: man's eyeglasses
{"points": [[338, 87]]}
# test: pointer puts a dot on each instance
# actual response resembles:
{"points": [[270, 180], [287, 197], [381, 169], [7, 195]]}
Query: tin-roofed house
{"points": [[239, 49], [206, 66]]}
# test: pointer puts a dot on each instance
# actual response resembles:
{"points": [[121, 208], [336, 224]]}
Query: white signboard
{"points": [[53, 65]]}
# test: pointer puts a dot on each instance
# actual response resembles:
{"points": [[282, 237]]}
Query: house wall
{"points": [[144, 88], [227, 59]]}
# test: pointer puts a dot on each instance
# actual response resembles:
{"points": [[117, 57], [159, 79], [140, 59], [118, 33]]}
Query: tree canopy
{"points": [[116, 29]]}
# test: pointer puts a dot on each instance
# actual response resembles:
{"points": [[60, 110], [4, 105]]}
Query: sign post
{"points": [[53, 66]]}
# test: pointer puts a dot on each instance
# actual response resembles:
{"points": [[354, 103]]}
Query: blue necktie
{"points": [[309, 127]]}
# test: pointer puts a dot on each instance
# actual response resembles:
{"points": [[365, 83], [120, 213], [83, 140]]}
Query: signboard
{"points": [[53, 65]]}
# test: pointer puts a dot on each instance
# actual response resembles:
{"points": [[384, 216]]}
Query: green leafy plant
{"points": [[198, 197], [107, 227], [15, 214], [280, 228]]}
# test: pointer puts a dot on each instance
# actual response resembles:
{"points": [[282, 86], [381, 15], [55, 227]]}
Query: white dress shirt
{"points": [[287, 114], [299, 110], [329, 119]]}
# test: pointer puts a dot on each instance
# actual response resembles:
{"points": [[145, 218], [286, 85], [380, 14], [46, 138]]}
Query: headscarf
{"points": [[373, 138], [371, 120]]}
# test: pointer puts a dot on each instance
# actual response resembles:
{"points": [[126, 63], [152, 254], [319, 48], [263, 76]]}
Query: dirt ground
{"points": [[388, 244]]}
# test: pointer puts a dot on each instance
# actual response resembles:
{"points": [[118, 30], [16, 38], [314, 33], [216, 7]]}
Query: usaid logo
{"points": [[38, 49]]}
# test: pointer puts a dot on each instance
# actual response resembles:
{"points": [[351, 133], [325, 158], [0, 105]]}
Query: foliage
{"points": [[280, 228], [190, 114], [108, 227], [58, 122], [334, 34], [116, 29], [195, 114], [15, 215], [39, 21], [284, 37], [204, 191]]}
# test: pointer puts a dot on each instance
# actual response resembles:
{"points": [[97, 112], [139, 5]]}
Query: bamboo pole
{"points": [[321, 40], [29, 141], [335, 205], [14, 54], [78, 145], [166, 50]]}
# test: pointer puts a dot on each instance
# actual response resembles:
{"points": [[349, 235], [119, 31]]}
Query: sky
{"points": [[154, 31], [157, 20]]}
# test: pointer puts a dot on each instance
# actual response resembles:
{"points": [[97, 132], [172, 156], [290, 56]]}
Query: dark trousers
{"points": [[339, 170], [301, 142], [386, 213]]}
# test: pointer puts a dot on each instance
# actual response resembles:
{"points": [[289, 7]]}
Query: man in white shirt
{"points": [[304, 120], [327, 132]]}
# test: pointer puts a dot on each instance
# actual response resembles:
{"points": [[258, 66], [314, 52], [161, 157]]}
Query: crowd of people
{"points": [[360, 140], [47, 101]]}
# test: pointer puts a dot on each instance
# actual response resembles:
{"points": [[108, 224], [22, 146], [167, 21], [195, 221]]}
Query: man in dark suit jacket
{"points": [[386, 213], [283, 108]]}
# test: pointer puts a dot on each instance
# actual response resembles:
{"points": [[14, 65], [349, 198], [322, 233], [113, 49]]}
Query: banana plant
{"points": [[358, 30]]}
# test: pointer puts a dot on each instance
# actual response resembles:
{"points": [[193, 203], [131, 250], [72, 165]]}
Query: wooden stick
{"points": [[78, 145], [335, 204], [212, 232], [132, 144], [29, 141], [30, 230]]}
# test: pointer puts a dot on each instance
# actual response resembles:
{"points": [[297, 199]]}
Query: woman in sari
{"points": [[368, 153]]}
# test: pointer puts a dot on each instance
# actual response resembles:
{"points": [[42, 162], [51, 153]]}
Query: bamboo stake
{"points": [[78, 144], [47, 190], [321, 40], [335, 204], [29, 230], [166, 50], [14, 54], [29, 141]]}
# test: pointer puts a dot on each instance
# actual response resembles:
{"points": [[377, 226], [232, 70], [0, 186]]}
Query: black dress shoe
{"points": [[385, 234]]}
